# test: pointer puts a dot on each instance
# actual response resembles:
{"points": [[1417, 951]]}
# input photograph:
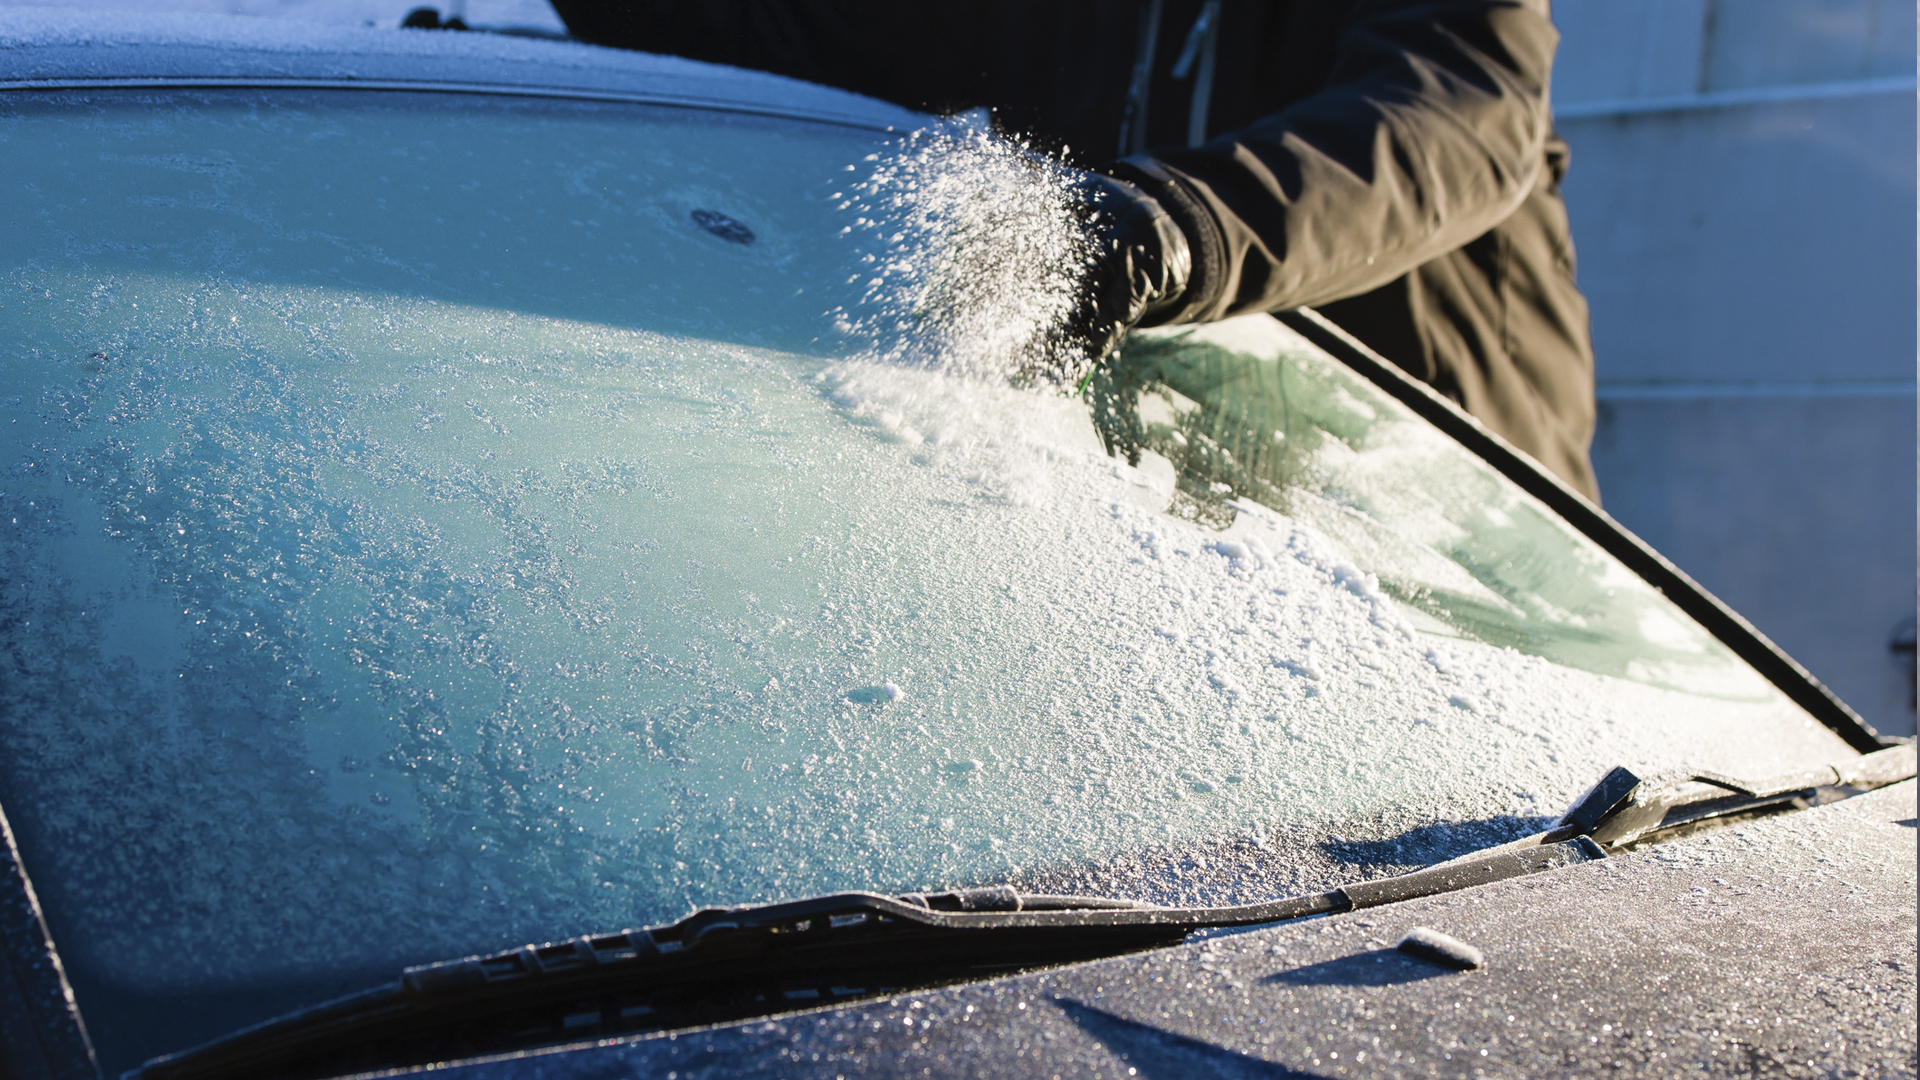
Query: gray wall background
{"points": [[1743, 206]]}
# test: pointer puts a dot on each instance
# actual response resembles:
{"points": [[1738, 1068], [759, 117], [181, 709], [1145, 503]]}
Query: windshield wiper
{"points": [[1623, 810], [725, 964]]}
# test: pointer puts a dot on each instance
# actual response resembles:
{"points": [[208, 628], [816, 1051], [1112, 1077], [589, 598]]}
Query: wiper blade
{"points": [[725, 964]]}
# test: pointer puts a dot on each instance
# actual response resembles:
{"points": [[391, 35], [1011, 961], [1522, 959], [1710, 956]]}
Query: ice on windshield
{"points": [[425, 533]]}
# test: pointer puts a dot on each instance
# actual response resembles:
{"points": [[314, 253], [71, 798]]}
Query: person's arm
{"points": [[1429, 132]]}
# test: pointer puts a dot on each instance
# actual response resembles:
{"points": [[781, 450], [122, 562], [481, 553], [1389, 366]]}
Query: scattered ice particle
{"points": [[884, 694], [1356, 581], [1464, 703], [1438, 948], [1303, 668]]}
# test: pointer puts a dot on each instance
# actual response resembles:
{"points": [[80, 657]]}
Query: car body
{"points": [[464, 491]]}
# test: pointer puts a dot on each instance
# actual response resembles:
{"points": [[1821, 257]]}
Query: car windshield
{"points": [[434, 523]]}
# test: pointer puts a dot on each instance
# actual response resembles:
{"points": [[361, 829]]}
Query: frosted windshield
{"points": [[438, 524]]}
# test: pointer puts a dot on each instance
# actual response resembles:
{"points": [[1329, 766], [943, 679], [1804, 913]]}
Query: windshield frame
{"points": [[1726, 625], [46, 1001]]}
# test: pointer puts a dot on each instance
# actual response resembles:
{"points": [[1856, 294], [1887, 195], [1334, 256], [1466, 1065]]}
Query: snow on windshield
{"points": [[426, 534]]}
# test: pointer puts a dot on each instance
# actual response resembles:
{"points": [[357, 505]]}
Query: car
{"points": [[461, 491]]}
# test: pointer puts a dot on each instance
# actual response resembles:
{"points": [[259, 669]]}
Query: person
{"points": [[1391, 163]]}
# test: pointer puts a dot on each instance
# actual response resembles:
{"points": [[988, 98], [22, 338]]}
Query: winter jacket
{"points": [[1390, 162]]}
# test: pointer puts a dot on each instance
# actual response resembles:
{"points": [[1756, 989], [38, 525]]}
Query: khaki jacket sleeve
{"points": [[1431, 130]]}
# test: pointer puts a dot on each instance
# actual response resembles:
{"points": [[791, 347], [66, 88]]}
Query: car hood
{"points": [[1777, 946]]}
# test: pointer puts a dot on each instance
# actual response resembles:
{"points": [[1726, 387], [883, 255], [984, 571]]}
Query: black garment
{"points": [[1391, 162]]}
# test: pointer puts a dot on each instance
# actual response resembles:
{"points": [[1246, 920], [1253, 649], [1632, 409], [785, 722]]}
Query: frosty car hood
{"points": [[54, 47], [1782, 944]]}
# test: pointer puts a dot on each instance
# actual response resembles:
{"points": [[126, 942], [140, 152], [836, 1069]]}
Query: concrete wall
{"points": [[1743, 204]]}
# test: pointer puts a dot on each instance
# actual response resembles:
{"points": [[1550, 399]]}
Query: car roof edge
{"points": [[44, 48]]}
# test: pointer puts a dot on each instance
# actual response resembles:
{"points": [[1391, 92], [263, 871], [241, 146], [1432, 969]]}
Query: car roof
{"points": [[49, 47]]}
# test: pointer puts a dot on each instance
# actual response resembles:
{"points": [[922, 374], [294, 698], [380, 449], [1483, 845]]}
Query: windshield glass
{"points": [[438, 523]]}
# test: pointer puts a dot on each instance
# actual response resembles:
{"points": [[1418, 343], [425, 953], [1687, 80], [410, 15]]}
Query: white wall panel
{"points": [[1743, 205], [1615, 49], [1788, 42], [1770, 242]]}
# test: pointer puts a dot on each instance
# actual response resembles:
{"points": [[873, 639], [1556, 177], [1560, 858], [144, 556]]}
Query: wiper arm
{"points": [[1623, 810], [1647, 809], [724, 964]]}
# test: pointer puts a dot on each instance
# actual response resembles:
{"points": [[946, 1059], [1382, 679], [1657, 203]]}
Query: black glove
{"points": [[1137, 267]]}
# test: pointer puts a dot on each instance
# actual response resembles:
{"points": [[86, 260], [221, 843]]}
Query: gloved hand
{"points": [[1137, 267]]}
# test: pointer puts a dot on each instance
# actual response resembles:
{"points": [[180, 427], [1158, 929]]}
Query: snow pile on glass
{"points": [[423, 535]]}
